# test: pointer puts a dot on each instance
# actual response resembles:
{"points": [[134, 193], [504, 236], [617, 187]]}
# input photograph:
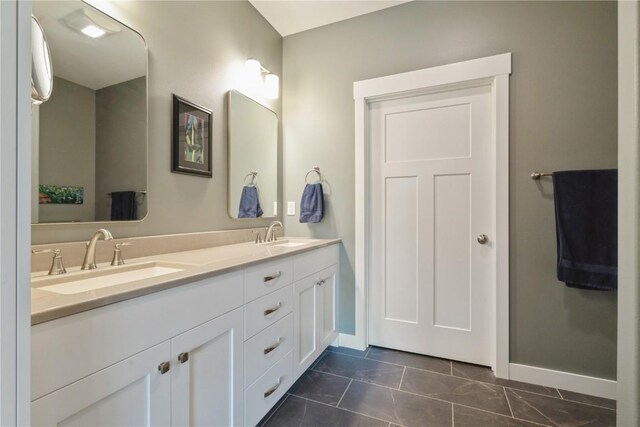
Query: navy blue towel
{"points": [[312, 203], [587, 228], [249, 203], [123, 206]]}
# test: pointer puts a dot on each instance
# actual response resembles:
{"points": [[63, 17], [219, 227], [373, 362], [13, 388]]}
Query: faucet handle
{"points": [[57, 266], [117, 253]]}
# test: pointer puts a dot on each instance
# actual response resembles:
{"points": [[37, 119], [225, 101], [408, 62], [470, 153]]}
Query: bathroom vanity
{"points": [[215, 338]]}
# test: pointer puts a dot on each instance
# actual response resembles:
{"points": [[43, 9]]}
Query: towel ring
{"points": [[254, 178], [315, 169]]}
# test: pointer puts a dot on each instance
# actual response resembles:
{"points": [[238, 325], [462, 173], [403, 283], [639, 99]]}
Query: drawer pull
{"points": [[269, 311], [273, 389], [183, 357], [273, 346], [164, 367], [272, 276]]}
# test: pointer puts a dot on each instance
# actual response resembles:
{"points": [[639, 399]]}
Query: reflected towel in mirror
{"points": [[249, 203], [123, 206]]}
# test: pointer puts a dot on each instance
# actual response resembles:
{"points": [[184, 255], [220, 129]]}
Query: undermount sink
{"points": [[290, 243], [92, 280]]}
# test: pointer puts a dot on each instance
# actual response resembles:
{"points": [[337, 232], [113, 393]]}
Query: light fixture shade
{"points": [[253, 69], [271, 86], [90, 24]]}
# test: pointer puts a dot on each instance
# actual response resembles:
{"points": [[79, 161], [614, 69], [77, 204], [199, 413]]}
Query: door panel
{"points": [[452, 248], [207, 388], [305, 323], [131, 392], [431, 177], [401, 249], [328, 280]]}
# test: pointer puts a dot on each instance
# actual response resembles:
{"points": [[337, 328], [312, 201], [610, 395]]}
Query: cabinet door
{"points": [[305, 325], [133, 392], [327, 307], [207, 378]]}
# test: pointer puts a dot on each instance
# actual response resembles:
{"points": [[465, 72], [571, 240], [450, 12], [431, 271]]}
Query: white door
{"points": [[431, 201], [134, 392], [207, 377]]}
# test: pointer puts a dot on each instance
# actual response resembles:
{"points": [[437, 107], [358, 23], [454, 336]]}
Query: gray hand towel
{"points": [[312, 203], [249, 203], [587, 228]]}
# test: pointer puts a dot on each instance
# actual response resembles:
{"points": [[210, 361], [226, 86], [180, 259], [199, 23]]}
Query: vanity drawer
{"points": [[311, 262], [267, 390], [266, 348], [266, 278], [267, 310]]}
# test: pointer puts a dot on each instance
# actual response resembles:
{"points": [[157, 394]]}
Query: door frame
{"points": [[493, 71]]}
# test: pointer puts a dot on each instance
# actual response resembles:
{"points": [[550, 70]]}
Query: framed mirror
{"points": [[253, 158], [89, 139]]}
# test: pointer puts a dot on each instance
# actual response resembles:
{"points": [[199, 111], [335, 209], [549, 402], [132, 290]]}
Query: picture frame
{"points": [[192, 140]]}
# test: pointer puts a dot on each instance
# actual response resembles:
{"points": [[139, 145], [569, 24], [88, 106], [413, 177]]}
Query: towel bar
{"points": [[537, 175], [137, 192]]}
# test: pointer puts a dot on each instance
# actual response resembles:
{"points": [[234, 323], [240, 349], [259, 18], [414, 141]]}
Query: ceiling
{"points": [[293, 16], [93, 63]]}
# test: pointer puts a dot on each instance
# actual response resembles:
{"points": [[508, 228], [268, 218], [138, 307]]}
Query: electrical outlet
{"points": [[291, 208], [275, 208]]}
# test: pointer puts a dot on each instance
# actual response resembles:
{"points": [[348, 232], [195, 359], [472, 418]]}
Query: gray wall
{"points": [[121, 152], [196, 50], [562, 116], [67, 141]]}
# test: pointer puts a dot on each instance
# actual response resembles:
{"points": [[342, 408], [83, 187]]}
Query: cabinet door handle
{"points": [[273, 346], [164, 367], [268, 311], [320, 283], [272, 276], [273, 389], [183, 357]]}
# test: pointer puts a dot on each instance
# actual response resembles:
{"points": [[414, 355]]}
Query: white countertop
{"points": [[197, 264]]}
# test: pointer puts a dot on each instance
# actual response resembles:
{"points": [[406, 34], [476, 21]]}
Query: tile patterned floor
{"points": [[389, 388]]}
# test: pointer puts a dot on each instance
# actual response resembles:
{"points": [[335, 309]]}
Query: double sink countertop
{"points": [[53, 297]]}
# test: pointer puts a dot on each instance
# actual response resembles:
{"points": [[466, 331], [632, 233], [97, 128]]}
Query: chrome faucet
{"points": [[89, 262], [57, 266], [270, 235]]}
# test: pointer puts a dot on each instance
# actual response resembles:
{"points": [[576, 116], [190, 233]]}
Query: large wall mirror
{"points": [[90, 138], [253, 158]]}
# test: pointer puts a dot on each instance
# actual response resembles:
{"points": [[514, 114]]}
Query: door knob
{"points": [[483, 239]]}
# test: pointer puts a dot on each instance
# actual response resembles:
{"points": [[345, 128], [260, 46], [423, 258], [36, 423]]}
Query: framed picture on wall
{"points": [[192, 140]]}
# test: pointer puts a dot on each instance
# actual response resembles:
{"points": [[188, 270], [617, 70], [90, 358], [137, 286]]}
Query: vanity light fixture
{"points": [[270, 85], [91, 25]]}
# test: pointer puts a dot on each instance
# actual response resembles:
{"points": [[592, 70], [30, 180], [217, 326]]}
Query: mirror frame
{"points": [[146, 60], [228, 207]]}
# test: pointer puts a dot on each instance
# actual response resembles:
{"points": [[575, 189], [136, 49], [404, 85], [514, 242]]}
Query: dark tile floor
{"points": [[388, 388]]}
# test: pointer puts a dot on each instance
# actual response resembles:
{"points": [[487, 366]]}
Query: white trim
{"points": [[564, 380], [15, 228], [495, 70], [459, 72], [628, 213]]}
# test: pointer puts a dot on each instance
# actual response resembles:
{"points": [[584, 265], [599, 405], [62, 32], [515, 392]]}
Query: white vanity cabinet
{"points": [[218, 351], [315, 311], [132, 392], [206, 379]]}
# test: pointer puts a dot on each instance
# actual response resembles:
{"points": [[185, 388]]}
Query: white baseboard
{"points": [[351, 341], [564, 380]]}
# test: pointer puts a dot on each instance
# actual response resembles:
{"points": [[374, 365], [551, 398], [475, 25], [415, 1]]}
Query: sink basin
{"points": [[290, 243], [103, 278]]}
